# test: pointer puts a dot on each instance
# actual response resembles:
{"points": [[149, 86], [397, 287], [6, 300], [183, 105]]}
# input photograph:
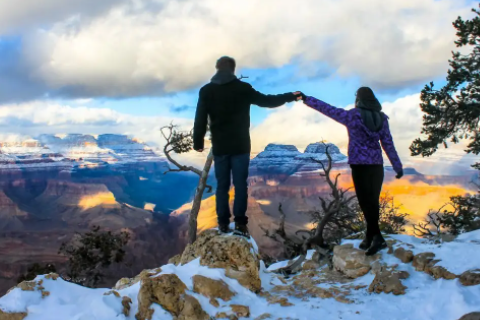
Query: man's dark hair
{"points": [[226, 64]]}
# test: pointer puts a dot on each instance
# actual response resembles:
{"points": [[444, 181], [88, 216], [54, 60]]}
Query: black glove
{"points": [[399, 174]]}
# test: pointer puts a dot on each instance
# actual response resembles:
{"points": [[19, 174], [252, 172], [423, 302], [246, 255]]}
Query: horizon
{"points": [[49, 84]]}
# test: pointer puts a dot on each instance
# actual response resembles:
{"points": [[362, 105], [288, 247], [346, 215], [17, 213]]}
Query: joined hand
{"points": [[299, 95]]}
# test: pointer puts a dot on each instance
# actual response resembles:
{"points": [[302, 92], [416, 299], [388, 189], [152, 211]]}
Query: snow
{"points": [[75, 151], [425, 299]]}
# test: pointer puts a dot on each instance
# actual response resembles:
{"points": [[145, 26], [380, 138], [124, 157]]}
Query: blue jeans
{"points": [[227, 168]]}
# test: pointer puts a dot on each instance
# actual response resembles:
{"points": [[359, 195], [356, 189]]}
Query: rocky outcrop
{"points": [[213, 289], [438, 272], [286, 159], [389, 282], [318, 152], [12, 316], [406, 256], [470, 278], [421, 260], [276, 158], [169, 292], [234, 254], [352, 262]]}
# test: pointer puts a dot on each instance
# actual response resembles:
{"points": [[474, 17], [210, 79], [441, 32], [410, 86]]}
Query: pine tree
{"points": [[453, 112]]}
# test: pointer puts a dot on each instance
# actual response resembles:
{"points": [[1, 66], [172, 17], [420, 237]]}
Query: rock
{"points": [[234, 254], [128, 282], [388, 282], [52, 276], [12, 316], [192, 310], [310, 265], [352, 262], [215, 303], [126, 302], [406, 256], [240, 311], [421, 260], [223, 315], [439, 272], [279, 300], [471, 316], [377, 266], [175, 260], [213, 289], [264, 316], [470, 278], [168, 291]]}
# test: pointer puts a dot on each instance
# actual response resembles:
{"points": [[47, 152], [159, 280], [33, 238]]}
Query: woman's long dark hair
{"points": [[370, 109]]}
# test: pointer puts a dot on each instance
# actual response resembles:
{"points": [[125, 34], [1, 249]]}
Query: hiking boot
{"points": [[241, 230], [224, 229], [378, 243], [366, 243]]}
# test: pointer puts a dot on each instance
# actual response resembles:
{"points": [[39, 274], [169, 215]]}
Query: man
{"points": [[226, 101]]}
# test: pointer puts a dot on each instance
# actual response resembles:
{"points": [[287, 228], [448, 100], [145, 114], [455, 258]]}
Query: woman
{"points": [[367, 128]]}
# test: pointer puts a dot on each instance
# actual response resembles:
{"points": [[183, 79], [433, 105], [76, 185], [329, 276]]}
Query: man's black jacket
{"points": [[227, 102]]}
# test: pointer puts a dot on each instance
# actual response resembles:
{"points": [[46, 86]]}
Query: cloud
{"points": [[38, 117], [18, 15], [134, 49]]}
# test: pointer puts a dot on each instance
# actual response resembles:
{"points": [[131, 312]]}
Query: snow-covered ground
{"points": [[425, 298]]}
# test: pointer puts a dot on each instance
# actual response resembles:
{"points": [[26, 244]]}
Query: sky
{"points": [[132, 66]]}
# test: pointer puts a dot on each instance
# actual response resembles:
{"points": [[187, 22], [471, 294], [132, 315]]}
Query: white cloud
{"points": [[37, 117], [129, 52], [15, 15]]}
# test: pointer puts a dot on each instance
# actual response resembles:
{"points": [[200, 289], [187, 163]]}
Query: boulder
{"points": [[213, 289], [192, 310], [406, 256], [310, 265], [470, 278], [126, 302], [128, 282], [234, 254], [438, 272], [471, 316], [168, 291], [240, 311], [389, 282], [352, 262], [12, 316], [421, 260]]}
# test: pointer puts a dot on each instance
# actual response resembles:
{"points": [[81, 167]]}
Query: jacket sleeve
{"points": [[201, 120], [270, 100], [389, 148], [337, 114]]}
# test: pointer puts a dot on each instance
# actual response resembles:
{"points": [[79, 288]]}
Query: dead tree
{"points": [[181, 142], [339, 200], [431, 226]]}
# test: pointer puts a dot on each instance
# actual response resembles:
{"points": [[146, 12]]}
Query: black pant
{"points": [[236, 167], [368, 180]]}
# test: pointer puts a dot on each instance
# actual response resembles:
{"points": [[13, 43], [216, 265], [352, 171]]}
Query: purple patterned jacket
{"points": [[364, 145]]}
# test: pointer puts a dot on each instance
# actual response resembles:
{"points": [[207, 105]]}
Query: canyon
{"points": [[55, 186]]}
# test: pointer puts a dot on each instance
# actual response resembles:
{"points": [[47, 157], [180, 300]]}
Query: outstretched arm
{"points": [[389, 148], [337, 114], [201, 120], [270, 100]]}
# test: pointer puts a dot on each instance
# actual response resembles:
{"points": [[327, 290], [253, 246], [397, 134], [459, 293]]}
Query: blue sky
{"points": [[138, 64]]}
